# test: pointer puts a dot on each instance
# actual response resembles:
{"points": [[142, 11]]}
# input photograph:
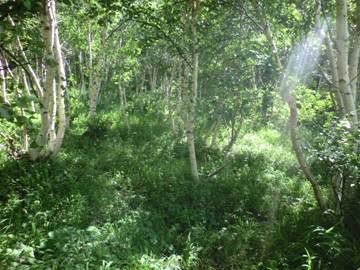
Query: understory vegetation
{"points": [[119, 198]]}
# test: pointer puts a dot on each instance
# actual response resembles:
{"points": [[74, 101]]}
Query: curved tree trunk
{"points": [[300, 156], [293, 118]]}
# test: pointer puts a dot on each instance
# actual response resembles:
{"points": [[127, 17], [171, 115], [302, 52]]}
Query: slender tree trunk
{"points": [[178, 97], [60, 90], [293, 122], [300, 156], [190, 117], [47, 101], [334, 73], [169, 96], [342, 45], [123, 103], [354, 58], [269, 36], [3, 69], [92, 88]]}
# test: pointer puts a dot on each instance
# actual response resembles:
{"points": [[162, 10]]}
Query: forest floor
{"points": [[119, 198]]}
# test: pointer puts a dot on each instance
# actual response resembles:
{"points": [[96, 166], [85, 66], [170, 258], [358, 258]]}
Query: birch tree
{"points": [[291, 102], [3, 69], [192, 96], [347, 68], [50, 93]]}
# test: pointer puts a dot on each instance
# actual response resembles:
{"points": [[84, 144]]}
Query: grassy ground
{"points": [[119, 198]]}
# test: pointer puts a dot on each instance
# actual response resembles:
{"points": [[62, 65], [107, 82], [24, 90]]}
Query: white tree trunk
{"points": [[342, 46], [92, 85], [47, 113], [353, 66], [52, 99], [60, 90], [191, 106], [334, 73], [300, 156], [3, 69]]}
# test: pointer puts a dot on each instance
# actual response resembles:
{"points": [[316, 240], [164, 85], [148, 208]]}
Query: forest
{"points": [[179, 134]]}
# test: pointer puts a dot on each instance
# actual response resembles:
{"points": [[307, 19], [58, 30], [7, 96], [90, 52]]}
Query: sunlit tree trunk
{"points": [[353, 69], [300, 156], [48, 112], [52, 103], [354, 57], [288, 97], [334, 73], [269, 36], [348, 69], [342, 52], [60, 90]]}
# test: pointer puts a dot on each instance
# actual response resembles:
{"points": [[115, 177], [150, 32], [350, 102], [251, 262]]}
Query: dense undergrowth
{"points": [[120, 198]]}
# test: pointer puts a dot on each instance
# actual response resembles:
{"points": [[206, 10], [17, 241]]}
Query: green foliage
{"points": [[119, 198], [300, 243]]}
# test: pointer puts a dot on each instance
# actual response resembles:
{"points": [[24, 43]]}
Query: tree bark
{"points": [[354, 60], [300, 156], [92, 85], [48, 108], [3, 69], [60, 90], [334, 73], [342, 46], [190, 117], [53, 122]]}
